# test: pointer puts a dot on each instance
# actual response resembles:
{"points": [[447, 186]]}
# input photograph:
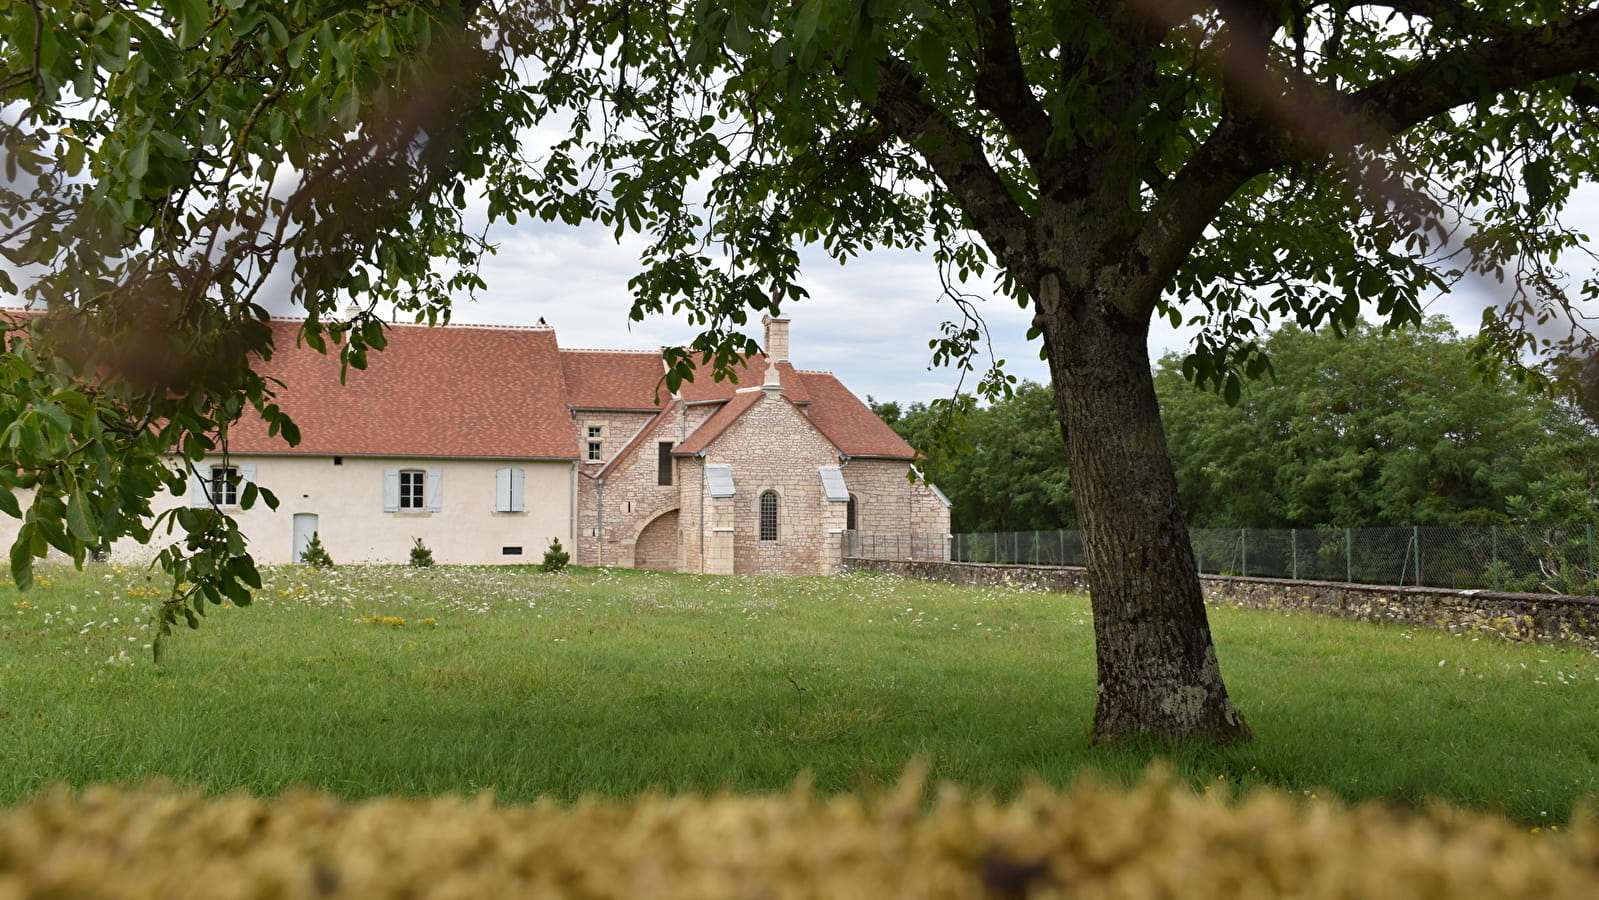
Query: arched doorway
{"points": [[658, 544]]}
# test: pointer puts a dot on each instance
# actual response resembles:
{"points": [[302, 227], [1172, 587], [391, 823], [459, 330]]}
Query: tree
{"points": [[1373, 429], [1008, 473], [162, 160], [1110, 161]]}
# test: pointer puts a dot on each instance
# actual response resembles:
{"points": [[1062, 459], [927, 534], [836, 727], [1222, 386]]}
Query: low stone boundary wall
{"points": [[1535, 617]]}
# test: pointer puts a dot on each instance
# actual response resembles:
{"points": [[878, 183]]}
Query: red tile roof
{"points": [[712, 428], [495, 392], [455, 391], [614, 379], [750, 374], [850, 424]]}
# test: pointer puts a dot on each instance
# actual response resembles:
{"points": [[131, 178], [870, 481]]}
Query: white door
{"points": [[304, 527]]}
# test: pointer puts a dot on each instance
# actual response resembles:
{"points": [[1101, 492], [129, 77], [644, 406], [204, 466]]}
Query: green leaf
{"points": [[22, 557], [137, 162], [193, 17], [806, 22], [163, 56], [78, 521]]}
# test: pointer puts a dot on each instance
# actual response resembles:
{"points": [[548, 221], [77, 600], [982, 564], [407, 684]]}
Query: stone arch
{"points": [[659, 544]]}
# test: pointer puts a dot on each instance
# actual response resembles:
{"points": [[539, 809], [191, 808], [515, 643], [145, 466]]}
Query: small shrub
{"points": [[555, 559], [315, 555], [421, 556]]}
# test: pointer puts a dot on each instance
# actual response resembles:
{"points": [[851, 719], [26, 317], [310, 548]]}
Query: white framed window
{"points": [[596, 448], [219, 486], [508, 490], [769, 515], [413, 490], [225, 485]]}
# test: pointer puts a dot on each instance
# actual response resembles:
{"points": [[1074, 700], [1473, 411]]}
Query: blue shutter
{"points": [[200, 486], [502, 490], [246, 476], [435, 490], [391, 490]]}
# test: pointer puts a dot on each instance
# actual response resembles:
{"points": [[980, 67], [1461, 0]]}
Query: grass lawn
{"points": [[616, 682]]}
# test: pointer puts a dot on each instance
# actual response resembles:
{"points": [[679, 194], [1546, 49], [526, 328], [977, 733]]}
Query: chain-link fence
{"points": [[1561, 559]]}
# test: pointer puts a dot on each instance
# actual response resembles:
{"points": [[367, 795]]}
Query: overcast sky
{"points": [[869, 321]]}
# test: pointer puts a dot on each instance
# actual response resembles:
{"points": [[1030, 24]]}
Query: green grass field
{"points": [[616, 682]]}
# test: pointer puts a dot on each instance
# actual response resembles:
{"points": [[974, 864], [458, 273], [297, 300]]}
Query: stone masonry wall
{"points": [[659, 545], [1540, 617], [619, 428], [634, 496], [773, 447], [886, 502]]}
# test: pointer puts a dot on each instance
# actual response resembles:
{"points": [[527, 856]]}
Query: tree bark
{"points": [[1158, 672]]}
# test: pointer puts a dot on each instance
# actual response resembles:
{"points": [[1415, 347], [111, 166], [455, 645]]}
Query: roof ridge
{"points": [[455, 326], [604, 350]]}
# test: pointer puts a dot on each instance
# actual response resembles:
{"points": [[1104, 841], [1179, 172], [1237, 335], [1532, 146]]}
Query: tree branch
{"points": [[1288, 119], [1002, 87], [957, 157], [1435, 85]]}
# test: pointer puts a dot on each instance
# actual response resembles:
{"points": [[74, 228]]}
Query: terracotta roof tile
{"points": [[850, 424], [453, 391], [750, 374], [614, 379], [720, 421]]}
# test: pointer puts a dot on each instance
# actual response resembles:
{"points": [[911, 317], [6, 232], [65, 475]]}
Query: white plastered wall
{"points": [[347, 500]]}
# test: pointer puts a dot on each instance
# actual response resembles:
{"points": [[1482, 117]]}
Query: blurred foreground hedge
{"points": [[1158, 840]]}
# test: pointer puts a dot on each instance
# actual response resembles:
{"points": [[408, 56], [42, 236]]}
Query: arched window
{"points": [[769, 515], [849, 513]]}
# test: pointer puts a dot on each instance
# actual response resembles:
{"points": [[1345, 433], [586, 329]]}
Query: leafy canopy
{"points": [[163, 160]]}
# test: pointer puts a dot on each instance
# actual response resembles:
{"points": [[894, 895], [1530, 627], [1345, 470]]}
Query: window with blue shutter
{"points": [[508, 490]]}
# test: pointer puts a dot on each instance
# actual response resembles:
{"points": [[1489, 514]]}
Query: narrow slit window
{"points": [[769, 515], [664, 462]]}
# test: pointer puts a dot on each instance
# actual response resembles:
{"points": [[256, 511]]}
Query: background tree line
{"points": [[1377, 428]]}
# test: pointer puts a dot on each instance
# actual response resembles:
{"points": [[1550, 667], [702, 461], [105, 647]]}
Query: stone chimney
{"points": [[776, 345], [774, 379]]}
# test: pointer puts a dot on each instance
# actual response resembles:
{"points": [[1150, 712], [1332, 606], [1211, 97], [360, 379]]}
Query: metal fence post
{"points": [[1593, 571], [1349, 555], [1493, 532], [1415, 538], [1293, 553], [1243, 553]]}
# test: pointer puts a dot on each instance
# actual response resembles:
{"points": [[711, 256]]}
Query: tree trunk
{"points": [[1157, 666]]}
